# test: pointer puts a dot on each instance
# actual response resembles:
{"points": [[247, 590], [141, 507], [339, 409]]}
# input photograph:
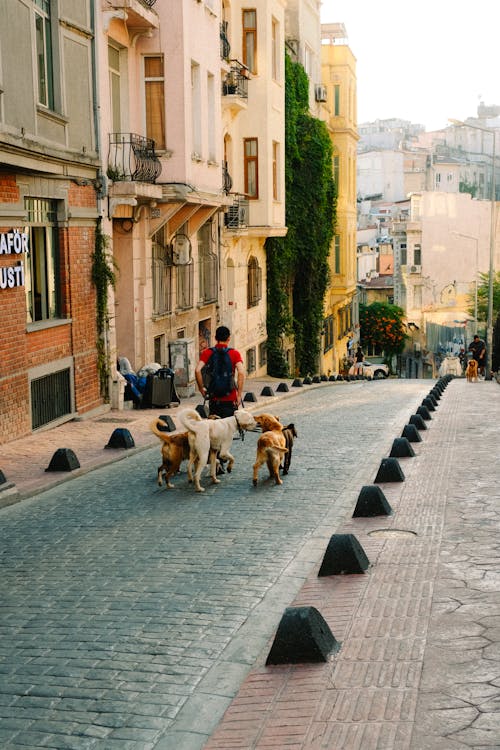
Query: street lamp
{"points": [[489, 323]]}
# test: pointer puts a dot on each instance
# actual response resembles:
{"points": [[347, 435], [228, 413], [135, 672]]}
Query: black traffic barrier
{"points": [[389, 471], [283, 388], [418, 421], [324, 378], [332, 378], [371, 502], [64, 459], [250, 396], [316, 379], [307, 380], [401, 448], [411, 433], [297, 383], [424, 413], [303, 636], [168, 423], [267, 391], [121, 438], [427, 402], [344, 554]]}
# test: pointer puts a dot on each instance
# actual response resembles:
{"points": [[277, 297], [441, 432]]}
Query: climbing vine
{"points": [[103, 276], [297, 265]]}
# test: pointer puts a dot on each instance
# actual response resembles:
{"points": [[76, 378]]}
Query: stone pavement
{"points": [[419, 663]]}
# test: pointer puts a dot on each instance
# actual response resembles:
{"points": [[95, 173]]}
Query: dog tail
{"points": [[155, 428], [190, 419]]}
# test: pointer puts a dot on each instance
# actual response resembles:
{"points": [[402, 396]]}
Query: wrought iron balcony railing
{"points": [[149, 3], [236, 216], [132, 158], [227, 180], [225, 47], [236, 81]]}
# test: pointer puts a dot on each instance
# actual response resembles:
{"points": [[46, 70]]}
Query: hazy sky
{"points": [[423, 62]]}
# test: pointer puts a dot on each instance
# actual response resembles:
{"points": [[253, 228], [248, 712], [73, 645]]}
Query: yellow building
{"points": [[338, 72]]}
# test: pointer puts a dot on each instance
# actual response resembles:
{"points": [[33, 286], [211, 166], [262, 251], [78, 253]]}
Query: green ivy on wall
{"points": [[297, 265], [103, 276]]}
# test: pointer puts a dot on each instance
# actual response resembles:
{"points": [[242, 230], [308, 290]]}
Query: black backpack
{"points": [[218, 373]]}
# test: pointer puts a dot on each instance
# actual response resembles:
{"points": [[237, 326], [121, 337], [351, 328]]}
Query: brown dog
{"points": [[471, 371], [174, 450], [271, 447], [290, 433]]}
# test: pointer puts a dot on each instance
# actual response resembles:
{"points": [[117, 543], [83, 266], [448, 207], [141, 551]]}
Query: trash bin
{"points": [[159, 389]]}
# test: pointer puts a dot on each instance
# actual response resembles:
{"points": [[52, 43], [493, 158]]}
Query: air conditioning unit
{"points": [[320, 93], [415, 269]]}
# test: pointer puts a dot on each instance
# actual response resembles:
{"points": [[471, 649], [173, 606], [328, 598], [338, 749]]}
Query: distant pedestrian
{"points": [[359, 358], [478, 349]]}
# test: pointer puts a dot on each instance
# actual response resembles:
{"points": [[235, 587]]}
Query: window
{"points": [[276, 55], [162, 273], [114, 88], [275, 171], [251, 167], [43, 288], [154, 92], [328, 330], [254, 282], [196, 111], [336, 99], [417, 255], [262, 353], [250, 40], [251, 360], [211, 117], [184, 273], [207, 265], [336, 170], [43, 42], [336, 254]]}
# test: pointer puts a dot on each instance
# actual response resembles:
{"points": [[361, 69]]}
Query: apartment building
{"points": [[341, 324], [253, 135], [50, 198]]}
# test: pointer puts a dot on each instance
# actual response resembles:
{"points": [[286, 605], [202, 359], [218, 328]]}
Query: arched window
{"points": [[254, 285]]}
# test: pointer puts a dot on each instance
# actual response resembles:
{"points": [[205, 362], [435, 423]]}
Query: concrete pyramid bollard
{"points": [[283, 388], [64, 459], [250, 397], [371, 502], [418, 421], [297, 383], [401, 448], [411, 433], [389, 471], [169, 423], [307, 380], [303, 636], [424, 412], [427, 402], [267, 391], [121, 438], [344, 554]]}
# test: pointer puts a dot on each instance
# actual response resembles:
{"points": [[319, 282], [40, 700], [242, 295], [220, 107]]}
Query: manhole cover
{"points": [[392, 532]]}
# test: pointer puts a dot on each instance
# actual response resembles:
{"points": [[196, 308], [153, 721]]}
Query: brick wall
{"points": [[21, 350]]}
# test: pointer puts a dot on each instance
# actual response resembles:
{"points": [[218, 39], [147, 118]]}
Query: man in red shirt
{"points": [[223, 406]]}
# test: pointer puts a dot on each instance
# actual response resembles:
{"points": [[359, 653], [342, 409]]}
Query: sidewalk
{"points": [[23, 462], [419, 663]]}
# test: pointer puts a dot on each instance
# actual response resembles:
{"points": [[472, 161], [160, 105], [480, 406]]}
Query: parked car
{"points": [[371, 370], [376, 371]]}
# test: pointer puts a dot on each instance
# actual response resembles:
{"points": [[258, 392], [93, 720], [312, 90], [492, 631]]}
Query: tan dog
{"points": [[212, 438], [174, 450], [271, 447], [290, 433], [471, 371]]}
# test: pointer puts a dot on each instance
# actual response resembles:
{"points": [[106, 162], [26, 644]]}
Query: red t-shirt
{"points": [[235, 357]]}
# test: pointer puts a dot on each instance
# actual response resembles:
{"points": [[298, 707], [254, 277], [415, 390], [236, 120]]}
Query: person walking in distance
{"points": [[359, 358], [220, 375], [478, 349]]}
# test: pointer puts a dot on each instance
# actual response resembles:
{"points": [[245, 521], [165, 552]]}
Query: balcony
{"points": [[138, 14], [132, 158], [237, 214], [236, 81]]}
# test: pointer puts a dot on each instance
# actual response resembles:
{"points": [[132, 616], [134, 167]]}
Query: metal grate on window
{"points": [[50, 398]]}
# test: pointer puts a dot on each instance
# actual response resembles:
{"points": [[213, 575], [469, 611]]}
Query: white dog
{"points": [[212, 437]]}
